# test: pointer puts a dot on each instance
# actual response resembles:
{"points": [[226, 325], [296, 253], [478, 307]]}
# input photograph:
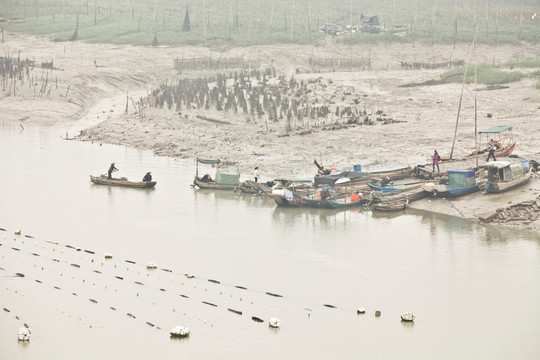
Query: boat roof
{"points": [[461, 172], [208, 161], [497, 164], [495, 130]]}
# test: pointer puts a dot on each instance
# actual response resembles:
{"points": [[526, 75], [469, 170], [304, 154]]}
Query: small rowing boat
{"points": [[388, 206], [103, 180]]}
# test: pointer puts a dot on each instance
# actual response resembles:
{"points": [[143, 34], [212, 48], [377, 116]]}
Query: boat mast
{"points": [[461, 97], [459, 110], [475, 119]]}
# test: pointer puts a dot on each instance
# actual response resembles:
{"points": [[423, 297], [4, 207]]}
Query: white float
{"points": [[24, 334], [151, 265], [408, 316], [274, 322], [180, 331]]}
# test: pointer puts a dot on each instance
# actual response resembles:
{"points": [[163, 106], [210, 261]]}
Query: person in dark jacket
{"points": [[111, 169], [492, 147], [147, 177]]}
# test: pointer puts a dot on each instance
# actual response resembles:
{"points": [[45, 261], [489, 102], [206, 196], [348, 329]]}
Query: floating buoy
{"points": [[360, 311], [180, 331], [24, 334], [377, 313], [108, 256], [274, 322], [151, 265], [408, 316]]}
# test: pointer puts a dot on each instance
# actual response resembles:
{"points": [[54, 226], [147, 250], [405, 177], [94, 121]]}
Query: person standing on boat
{"points": [[436, 159], [111, 169], [256, 174], [491, 150], [147, 177]]}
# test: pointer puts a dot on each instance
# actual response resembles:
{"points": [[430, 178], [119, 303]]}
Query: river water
{"points": [[475, 290]]}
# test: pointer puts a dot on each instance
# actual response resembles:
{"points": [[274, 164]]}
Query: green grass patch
{"points": [[485, 74], [521, 64]]}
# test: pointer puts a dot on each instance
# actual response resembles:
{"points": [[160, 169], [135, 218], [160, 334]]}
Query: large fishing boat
{"points": [[504, 175]]}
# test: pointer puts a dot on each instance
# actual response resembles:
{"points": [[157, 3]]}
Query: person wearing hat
{"points": [[147, 177], [111, 169]]}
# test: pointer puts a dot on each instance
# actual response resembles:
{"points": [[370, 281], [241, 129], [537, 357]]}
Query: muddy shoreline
{"points": [[95, 84]]}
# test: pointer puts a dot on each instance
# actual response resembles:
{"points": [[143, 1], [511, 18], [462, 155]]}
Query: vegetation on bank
{"points": [[495, 74], [485, 74], [250, 22]]}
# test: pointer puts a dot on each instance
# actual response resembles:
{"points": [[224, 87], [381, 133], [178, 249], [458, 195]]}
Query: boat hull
{"points": [[391, 206], [213, 185]]}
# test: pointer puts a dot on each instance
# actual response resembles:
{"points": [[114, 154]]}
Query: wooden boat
{"points": [[504, 140], [102, 180], [221, 180], [251, 187], [289, 198], [460, 182], [344, 202], [396, 205], [358, 178], [504, 175], [412, 193]]}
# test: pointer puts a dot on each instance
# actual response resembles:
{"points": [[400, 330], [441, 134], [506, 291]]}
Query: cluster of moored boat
{"points": [[385, 190], [389, 190]]}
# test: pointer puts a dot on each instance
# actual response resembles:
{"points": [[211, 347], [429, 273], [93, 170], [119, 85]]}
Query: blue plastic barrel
{"points": [[525, 164], [357, 168]]}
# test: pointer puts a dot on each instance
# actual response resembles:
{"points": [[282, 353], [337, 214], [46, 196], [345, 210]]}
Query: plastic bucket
{"points": [[357, 168], [525, 164]]}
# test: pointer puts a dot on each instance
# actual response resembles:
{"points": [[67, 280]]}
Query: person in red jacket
{"points": [[436, 159]]}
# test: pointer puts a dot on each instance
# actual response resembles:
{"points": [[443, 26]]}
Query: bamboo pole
{"points": [[271, 17], [460, 100], [292, 21], [475, 118]]}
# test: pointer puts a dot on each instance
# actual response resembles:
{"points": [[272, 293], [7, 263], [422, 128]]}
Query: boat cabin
{"points": [[221, 179], [461, 178], [503, 171]]}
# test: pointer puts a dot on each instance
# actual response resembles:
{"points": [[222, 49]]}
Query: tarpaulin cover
{"points": [[461, 178], [227, 179]]}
